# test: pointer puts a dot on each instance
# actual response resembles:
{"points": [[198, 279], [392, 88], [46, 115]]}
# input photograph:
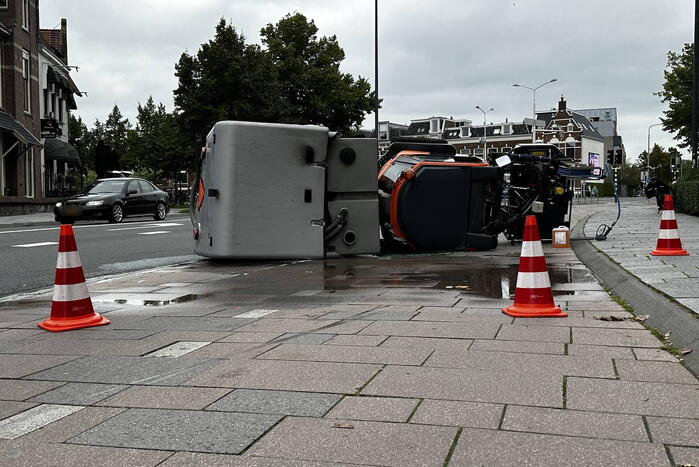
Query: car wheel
{"points": [[117, 213], [160, 212], [63, 220]]}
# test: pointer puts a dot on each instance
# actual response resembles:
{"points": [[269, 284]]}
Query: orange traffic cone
{"points": [[669, 243], [533, 296], [71, 307]]}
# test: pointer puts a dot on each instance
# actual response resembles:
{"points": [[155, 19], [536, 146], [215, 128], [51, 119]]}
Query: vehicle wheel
{"points": [[63, 220], [160, 212], [117, 214]]}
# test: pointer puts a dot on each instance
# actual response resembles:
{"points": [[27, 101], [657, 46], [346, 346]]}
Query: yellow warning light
{"points": [[559, 190]]}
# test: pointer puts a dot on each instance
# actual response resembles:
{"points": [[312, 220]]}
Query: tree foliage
{"points": [[677, 94], [659, 161]]}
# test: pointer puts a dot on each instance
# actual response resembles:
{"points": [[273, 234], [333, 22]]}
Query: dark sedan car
{"points": [[114, 199]]}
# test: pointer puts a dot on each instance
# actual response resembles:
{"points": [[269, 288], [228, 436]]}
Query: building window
{"points": [[478, 152], [60, 111], [492, 150], [25, 14], [29, 173], [465, 151], [3, 4], [507, 129], [26, 81], [505, 149]]}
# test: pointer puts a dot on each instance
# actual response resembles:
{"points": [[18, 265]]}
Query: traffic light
{"points": [[619, 159], [675, 162], [610, 157]]}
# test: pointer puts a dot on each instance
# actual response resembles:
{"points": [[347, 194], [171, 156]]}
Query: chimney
{"points": [[562, 104], [64, 40]]}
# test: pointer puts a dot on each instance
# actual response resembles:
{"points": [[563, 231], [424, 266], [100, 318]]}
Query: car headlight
{"points": [[94, 203], [58, 205]]}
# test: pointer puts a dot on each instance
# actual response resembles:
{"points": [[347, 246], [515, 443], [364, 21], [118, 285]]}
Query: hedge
{"points": [[687, 197]]}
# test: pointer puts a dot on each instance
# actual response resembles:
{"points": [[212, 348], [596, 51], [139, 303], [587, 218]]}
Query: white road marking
{"points": [[178, 349], [45, 229], [166, 224], [255, 313], [154, 232], [32, 245], [34, 418], [150, 226]]}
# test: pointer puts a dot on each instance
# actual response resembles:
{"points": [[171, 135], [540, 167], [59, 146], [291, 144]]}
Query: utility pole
{"points": [[376, 74], [695, 85], [485, 133]]}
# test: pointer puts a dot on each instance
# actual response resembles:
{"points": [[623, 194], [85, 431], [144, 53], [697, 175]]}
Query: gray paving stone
{"points": [[179, 430], [341, 378], [302, 404], [445, 314], [163, 397], [661, 372], [348, 354], [431, 329], [415, 300], [631, 397], [456, 345], [362, 341], [72, 425], [618, 337], [89, 347], [304, 326], [556, 348], [260, 337], [376, 443], [595, 306], [534, 333], [18, 366], [684, 456], [601, 351], [30, 454], [126, 370], [580, 322], [79, 393], [223, 460], [654, 354], [503, 448], [301, 338], [458, 413], [10, 408], [574, 423], [679, 431], [193, 323], [106, 333], [225, 350], [476, 385], [378, 409], [19, 390], [510, 363]]}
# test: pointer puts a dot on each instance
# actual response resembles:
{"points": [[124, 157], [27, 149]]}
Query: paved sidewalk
{"points": [[633, 238], [371, 361], [28, 219]]}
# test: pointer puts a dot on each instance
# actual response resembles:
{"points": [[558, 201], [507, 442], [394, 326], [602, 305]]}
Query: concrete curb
{"points": [[663, 314]]}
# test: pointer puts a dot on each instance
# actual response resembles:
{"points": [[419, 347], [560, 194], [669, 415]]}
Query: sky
{"points": [[436, 58]]}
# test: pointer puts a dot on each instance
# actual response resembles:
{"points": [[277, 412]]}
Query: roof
{"points": [[418, 128], [588, 130], [52, 38], [18, 130]]}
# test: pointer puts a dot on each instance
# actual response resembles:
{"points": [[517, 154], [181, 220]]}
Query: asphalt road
{"points": [[28, 254]]}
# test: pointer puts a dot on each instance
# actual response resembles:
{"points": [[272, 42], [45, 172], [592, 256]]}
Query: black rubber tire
{"points": [[116, 215], [160, 212]]}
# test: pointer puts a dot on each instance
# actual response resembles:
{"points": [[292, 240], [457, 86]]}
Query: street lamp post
{"points": [[533, 90], [648, 150], [485, 133]]}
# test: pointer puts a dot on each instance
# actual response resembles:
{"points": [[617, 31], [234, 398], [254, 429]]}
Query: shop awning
{"points": [[17, 129], [73, 156], [55, 150]]}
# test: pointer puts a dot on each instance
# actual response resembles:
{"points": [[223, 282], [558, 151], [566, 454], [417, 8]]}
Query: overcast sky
{"points": [[436, 57]]}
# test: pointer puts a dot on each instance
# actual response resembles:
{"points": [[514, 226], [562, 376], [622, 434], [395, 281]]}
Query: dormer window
{"points": [[435, 125], [507, 129], [464, 132], [570, 126]]}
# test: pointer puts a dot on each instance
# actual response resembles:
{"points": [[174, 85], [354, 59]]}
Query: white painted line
{"points": [[178, 349], [255, 313], [149, 226], [45, 229], [34, 418], [166, 224], [32, 245], [154, 233]]}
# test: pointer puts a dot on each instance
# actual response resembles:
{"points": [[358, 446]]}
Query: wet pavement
{"points": [[394, 360]]}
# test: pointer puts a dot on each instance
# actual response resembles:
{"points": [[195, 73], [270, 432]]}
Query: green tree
{"points": [[117, 133], [659, 162], [226, 80], [314, 89], [677, 94], [81, 138]]}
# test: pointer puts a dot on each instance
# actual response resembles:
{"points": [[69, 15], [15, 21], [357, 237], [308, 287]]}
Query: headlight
{"points": [[58, 205], [94, 203]]}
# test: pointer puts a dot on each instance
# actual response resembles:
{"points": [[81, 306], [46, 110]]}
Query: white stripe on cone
{"points": [[668, 215], [533, 280], [70, 292], [532, 249], [668, 234], [68, 259]]}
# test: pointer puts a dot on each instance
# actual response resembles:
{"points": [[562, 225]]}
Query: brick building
{"points": [[24, 81]]}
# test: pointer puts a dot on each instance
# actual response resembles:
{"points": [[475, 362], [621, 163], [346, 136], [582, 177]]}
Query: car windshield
{"points": [[107, 186]]}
